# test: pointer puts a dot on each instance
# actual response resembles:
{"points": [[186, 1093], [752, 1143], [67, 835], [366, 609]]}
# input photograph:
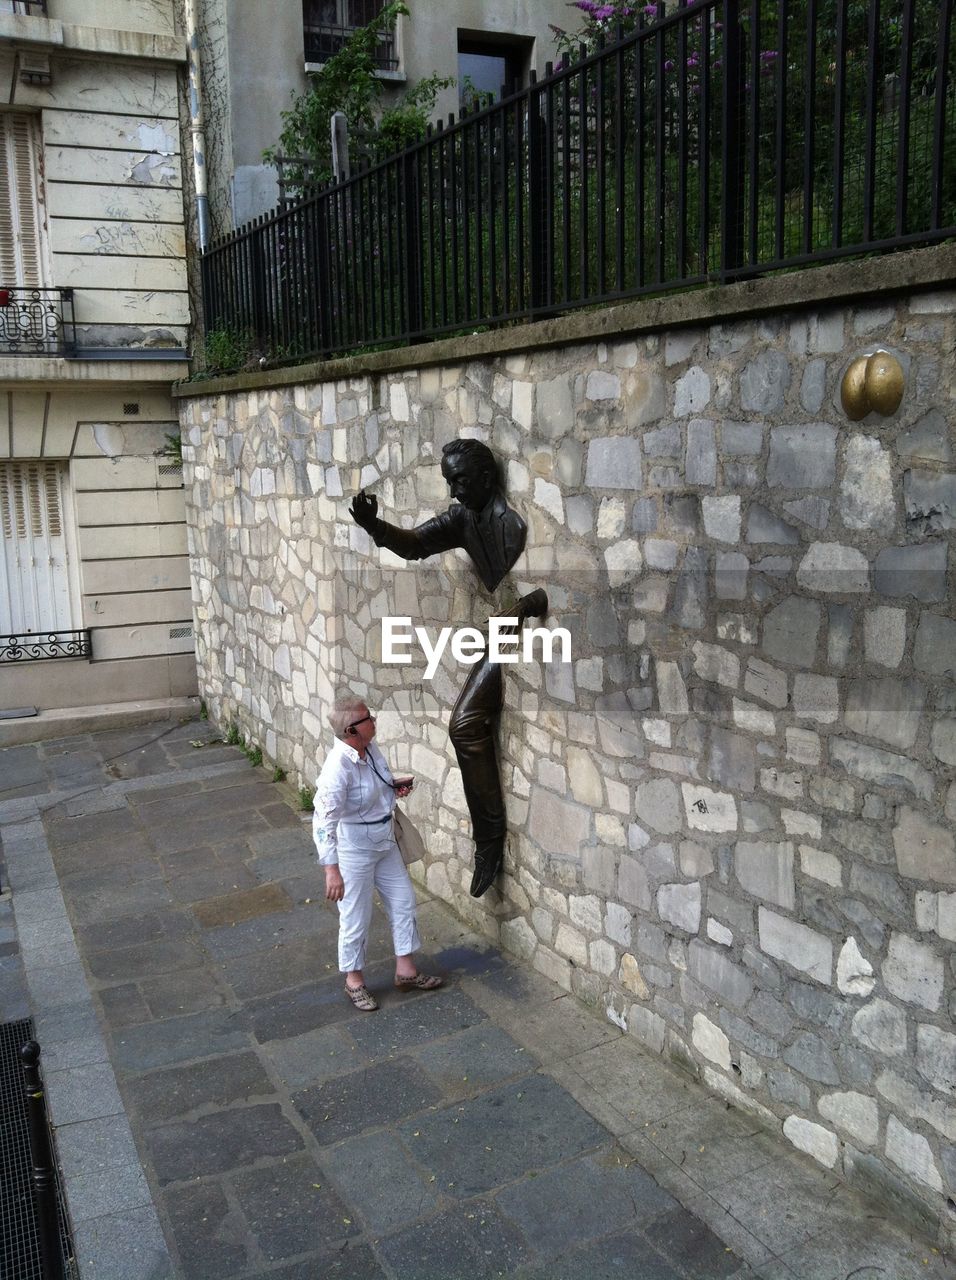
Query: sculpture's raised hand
{"points": [[364, 510]]}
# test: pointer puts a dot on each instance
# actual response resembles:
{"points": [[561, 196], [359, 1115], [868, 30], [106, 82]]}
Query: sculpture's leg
{"points": [[473, 730]]}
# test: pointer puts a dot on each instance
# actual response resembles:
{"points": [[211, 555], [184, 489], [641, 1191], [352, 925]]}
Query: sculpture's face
{"points": [[469, 481]]}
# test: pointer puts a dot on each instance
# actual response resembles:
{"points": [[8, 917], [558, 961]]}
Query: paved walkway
{"points": [[222, 1112]]}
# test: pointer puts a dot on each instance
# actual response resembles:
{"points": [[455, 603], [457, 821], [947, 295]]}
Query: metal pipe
{"points": [[44, 1169], [196, 124]]}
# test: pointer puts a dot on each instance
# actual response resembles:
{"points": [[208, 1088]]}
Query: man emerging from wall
{"points": [[481, 522]]}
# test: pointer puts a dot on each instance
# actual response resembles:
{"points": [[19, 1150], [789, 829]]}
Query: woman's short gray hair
{"points": [[345, 711]]}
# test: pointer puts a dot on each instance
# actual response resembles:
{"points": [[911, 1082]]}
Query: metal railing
{"points": [[29, 646], [718, 140], [36, 322]]}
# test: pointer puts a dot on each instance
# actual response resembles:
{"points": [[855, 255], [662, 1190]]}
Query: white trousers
{"points": [[377, 865]]}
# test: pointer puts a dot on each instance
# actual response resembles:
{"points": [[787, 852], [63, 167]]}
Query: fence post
{"points": [[261, 311], [732, 179], [44, 1170], [538, 196], [414, 282]]}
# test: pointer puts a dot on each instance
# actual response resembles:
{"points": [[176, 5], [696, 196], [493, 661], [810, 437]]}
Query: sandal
{"points": [[362, 998], [420, 982]]}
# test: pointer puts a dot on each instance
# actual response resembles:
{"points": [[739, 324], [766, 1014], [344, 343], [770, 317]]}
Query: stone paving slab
{"points": [[254, 1125]]}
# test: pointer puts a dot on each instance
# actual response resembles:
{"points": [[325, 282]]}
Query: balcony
{"points": [[30, 646], [37, 322], [35, 7], [327, 24]]}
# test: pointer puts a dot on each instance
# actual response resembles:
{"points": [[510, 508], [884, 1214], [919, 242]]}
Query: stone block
{"points": [[881, 1026], [671, 691], [820, 865], [691, 392], [866, 494], [632, 883], [854, 1113], [558, 826], [765, 869], [943, 740], [883, 767], [708, 810], [884, 635], [929, 500], [631, 978], [805, 949], [555, 407], [854, 971], [935, 648], [657, 804], [764, 383], [700, 459], [764, 526], [614, 462], [810, 1056], [814, 1139], [918, 571], [913, 972], [731, 760], [617, 923], [816, 698], [647, 1027], [712, 662], [911, 1152], [710, 1041], [679, 904], [927, 441], [790, 632], [741, 439], [834, 567], [885, 708], [802, 457], [714, 970], [936, 1058]]}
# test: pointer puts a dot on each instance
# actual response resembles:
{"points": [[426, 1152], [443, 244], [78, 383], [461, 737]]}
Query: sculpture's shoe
{"points": [[533, 605], [489, 856]]}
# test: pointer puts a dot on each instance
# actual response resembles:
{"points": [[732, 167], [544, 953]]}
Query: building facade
{"points": [[94, 324], [256, 58]]}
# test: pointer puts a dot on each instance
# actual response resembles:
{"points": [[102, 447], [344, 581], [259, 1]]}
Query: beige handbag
{"points": [[407, 837]]}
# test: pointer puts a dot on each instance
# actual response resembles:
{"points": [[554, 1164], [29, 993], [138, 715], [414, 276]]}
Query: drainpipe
{"points": [[196, 125]]}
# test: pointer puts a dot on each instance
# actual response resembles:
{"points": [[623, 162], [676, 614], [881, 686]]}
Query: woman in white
{"points": [[353, 832]]}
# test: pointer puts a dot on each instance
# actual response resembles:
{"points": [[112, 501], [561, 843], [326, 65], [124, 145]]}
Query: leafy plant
{"points": [[306, 798], [253, 754], [203, 710], [226, 349], [173, 449], [279, 774], [233, 736], [348, 83]]}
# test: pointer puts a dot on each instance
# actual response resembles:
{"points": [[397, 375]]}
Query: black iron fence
{"points": [[37, 322], [29, 646], [718, 140]]}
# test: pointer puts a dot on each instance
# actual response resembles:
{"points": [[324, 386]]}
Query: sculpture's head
{"points": [[471, 472]]}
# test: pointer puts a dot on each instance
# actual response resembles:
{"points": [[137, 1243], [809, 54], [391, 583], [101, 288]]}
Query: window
{"points": [[22, 248], [486, 62], [34, 562], [327, 24]]}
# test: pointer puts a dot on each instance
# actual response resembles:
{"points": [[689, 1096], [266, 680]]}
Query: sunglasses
{"points": [[353, 727]]}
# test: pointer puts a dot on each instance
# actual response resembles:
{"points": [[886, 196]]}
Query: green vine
{"points": [[348, 83]]}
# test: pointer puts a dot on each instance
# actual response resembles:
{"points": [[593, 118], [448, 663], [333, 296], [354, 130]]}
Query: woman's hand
{"points": [[334, 884], [403, 787]]}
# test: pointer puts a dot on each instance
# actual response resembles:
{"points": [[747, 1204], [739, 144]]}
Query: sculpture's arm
{"points": [[438, 534]]}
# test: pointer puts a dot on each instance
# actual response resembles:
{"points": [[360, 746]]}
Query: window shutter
{"points": [[21, 209]]}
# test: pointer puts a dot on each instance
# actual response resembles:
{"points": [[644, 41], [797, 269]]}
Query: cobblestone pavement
{"points": [[222, 1112]]}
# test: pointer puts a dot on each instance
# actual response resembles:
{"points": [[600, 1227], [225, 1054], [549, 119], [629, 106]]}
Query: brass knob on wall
{"points": [[872, 382]]}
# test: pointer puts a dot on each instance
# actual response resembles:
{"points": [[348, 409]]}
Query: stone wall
{"points": [[732, 812]]}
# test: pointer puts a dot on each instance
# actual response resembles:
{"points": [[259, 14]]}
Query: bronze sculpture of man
{"points": [[494, 535]]}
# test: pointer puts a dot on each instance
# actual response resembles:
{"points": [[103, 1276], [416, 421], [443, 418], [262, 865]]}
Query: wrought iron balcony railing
{"points": [[29, 646], [37, 322]]}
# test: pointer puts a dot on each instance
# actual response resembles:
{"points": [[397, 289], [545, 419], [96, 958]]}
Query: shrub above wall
{"points": [[732, 813]]}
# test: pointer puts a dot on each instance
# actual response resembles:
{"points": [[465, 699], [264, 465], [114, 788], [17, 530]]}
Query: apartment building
{"points": [[94, 323], [257, 56]]}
